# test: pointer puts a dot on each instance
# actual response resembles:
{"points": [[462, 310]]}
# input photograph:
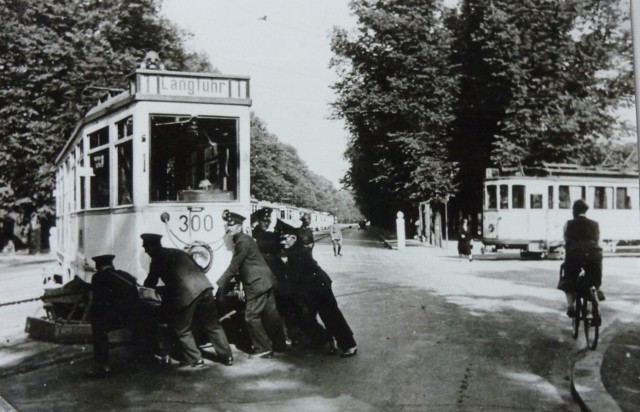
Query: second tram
{"points": [[526, 209]]}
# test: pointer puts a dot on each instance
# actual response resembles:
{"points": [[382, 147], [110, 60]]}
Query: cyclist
{"points": [[582, 250]]}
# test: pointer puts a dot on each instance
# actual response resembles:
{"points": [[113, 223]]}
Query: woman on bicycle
{"points": [[582, 251]]}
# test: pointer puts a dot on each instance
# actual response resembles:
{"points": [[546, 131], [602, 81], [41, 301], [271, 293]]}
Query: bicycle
{"points": [[587, 310]]}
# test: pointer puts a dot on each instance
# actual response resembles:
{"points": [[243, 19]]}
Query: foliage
{"points": [[396, 93], [427, 90], [53, 55], [540, 81], [279, 175]]}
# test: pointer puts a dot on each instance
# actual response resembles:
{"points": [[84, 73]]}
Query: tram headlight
{"points": [[164, 217], [491, 228], [201, 254]]}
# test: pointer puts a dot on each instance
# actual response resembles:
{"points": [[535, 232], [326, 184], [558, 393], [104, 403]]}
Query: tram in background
{"points": [[292, 214], [167, 155], [526, 208]]}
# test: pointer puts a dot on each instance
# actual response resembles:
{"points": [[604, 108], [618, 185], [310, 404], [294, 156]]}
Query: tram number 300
{"points": [[195, 223]]}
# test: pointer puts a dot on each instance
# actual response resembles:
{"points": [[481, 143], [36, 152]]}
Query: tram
{"points": [[526, 208], [291, 214], [167, 155]]}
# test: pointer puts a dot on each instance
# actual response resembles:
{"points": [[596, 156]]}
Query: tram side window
{"points": [[550, 197], [100, 180], [99, 162], [602, 198], [536, 200], [504, 197], [568, 194], [517, 196], [492, 197], [623, 200], [125, 173], [193, 159]]}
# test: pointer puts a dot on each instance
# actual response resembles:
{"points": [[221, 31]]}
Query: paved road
{"points": [[435, 333]]}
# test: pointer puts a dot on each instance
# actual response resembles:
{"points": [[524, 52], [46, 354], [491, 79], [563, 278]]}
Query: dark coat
{"points": [[581, 237], [114, 293], [305, 236], [464, 242], [184, 279], [303, 271], [269, 245], [248, 263]]}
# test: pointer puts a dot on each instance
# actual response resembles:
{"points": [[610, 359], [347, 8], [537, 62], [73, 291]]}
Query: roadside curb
{"points": [[586, 378]]}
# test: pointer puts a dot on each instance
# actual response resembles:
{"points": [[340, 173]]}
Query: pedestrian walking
{"points": [[189, 298], [336, 238], [464, 241], [263, 322]]}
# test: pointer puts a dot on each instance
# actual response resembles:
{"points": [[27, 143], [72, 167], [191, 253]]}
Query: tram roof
{"points": [[167, 86], [561, 170]]}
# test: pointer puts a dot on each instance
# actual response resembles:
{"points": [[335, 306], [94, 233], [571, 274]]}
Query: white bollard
{"points": [[400, 230]]}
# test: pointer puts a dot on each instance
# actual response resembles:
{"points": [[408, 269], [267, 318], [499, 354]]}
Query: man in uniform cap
{"points": [[261, 316], [189, 296], [115, 305]]}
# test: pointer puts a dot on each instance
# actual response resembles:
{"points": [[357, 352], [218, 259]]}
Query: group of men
{"points": [[283, 287]]}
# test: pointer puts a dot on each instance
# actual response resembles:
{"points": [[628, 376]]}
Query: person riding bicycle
{"points": [[582, 250]]}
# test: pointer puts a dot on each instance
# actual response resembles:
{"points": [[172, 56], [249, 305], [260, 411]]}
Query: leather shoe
{"points": [[600, 295], [349, 352], [198, 365], [264, 355], [226, 360]]}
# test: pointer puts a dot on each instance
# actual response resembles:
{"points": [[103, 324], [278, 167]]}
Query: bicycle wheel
{"points": [[594, 323], [576, 318]]}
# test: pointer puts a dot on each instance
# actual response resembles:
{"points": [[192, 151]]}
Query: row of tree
{"points": [[56, 59], [432, 95]]}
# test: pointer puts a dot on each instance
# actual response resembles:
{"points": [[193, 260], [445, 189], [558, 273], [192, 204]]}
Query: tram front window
{"points": [[193, 159]]}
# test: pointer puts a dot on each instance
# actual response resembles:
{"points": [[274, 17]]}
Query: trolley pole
{"points": [[635, 35]]}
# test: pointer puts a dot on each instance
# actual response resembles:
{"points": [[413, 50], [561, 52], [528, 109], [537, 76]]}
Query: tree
{"points": [[396, 93], [540, 80], [279, 175], [53, 54]]}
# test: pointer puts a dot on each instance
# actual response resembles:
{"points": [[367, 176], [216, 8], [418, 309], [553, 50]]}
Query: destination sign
{"points": [[188, 86]]}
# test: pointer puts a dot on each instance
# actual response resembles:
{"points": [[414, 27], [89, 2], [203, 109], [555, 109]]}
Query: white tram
{"points": [[526, 209], [291, 214], [167, 155]]}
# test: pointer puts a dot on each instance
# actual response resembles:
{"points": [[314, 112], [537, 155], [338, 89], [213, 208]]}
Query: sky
{"points": [[284, 46]]}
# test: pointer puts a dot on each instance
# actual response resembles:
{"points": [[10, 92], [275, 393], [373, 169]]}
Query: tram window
{"points": [[492, 197], [550, 197], [125, 127], [100, 180], [125, 173], [82, 178], [99, 137], [517, 196], [568, 194], [193, 159], [504, 197], [623, 201], [536, 200], [602, 198]]}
